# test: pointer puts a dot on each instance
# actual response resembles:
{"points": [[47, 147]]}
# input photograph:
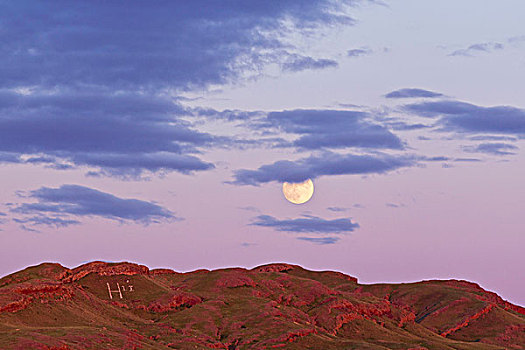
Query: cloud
{"points": [[56, 222], [497, 148], [307, 224], [358, 52], [120, 134], [326, 164], [316, 129], [395, 205], [297, 63], [412, 93], [331, 129], [127, 45], [516, 39], [473, 160], [478, 48], [92, 84], [493, 138], [250, 208], [320, 240], [399, 125], [8, 157], [56, 206], [337, 209], [469, 118]]}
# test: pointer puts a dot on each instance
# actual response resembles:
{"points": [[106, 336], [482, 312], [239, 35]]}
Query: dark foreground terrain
{"points": [[127, 306]]}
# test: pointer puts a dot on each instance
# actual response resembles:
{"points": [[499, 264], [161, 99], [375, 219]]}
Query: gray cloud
{"points": [[469, 118], [337, 209], [412, 93], [496, 148], [297, 63], [478, 48], [326, 164], [56, 222], [123, 134], [399, 125], [316, 129], [331, 129], [358, 52], [516, 39], [395, 205], [126, 45], [493, 138], [87, 84], [320, 240], [468, 160], [307, 224], [57, 206]]}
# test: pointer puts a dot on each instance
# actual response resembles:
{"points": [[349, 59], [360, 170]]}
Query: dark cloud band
{"points": [[63, 206], [327, 164], [307, 224]]}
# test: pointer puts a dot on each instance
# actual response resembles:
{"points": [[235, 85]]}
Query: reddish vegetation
{"points": [[233, 281], [127, 306], [468, 320]]}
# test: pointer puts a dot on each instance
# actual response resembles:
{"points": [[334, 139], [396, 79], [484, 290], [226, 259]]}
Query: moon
{"points": [[298, 192]]}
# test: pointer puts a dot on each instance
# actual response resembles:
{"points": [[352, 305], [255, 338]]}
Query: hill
{"points": [[128, 306]]}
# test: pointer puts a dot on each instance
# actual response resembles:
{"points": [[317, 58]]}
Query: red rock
{"points": [[104, 269], [176, 301], [156, 272], [274, 268], [469, 319]]}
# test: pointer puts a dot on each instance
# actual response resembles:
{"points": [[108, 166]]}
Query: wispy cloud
{"points": [[63, 206], [358, 52], [56, 222], [337, 209], [307, 224], [474, 49], [320, 240], [469, 118], [395, 205], [297, 63], [496, 148], [413, 93]]}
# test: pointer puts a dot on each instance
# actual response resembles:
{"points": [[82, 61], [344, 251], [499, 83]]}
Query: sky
{"points": [[161, 134]]}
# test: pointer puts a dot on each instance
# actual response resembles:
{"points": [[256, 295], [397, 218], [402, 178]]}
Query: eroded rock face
{"points": [[175, 301], [274, 268], [104, 269], [274, 305]]}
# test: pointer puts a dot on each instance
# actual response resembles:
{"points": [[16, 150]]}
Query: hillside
{"points": [[128, 306]]}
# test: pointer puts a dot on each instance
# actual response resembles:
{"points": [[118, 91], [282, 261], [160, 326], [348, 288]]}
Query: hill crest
{"points": [[127, 305]]}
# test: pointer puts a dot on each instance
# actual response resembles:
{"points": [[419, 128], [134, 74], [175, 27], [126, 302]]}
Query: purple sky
{"points": [[162, 134]]}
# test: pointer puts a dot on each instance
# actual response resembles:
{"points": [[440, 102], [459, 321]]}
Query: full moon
{"points": [[298, 193]]}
